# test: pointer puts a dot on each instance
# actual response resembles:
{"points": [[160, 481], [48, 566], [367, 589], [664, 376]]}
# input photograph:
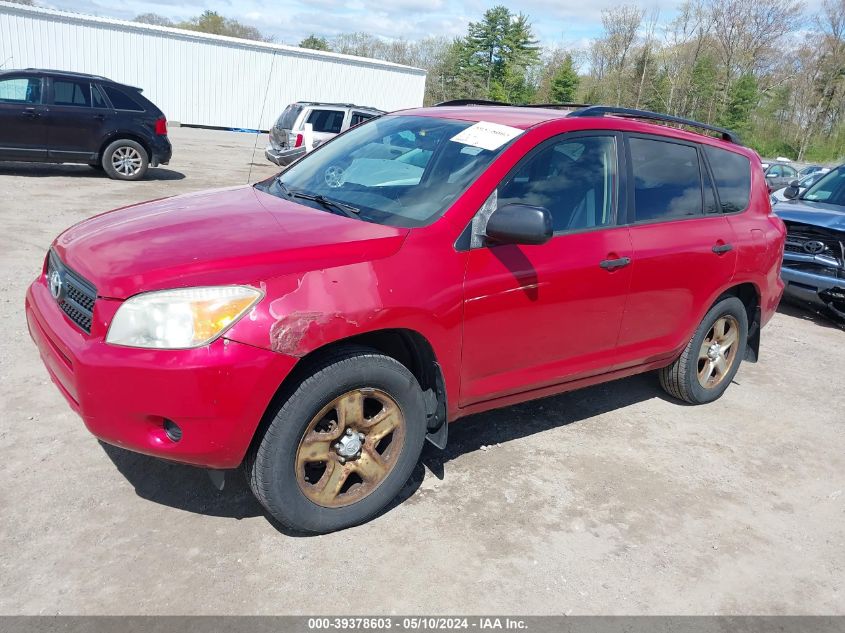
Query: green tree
{"points": [[564, 82], [315, 43], [742, 100], [500, 49]]}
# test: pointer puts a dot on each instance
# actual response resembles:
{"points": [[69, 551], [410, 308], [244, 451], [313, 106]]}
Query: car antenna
{"points": [[261, 117]]}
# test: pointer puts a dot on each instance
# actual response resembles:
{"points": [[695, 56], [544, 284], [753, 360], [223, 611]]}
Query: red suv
{"points": [[317, 327]]}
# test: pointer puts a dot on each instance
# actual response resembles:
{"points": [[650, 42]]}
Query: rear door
{"points": [[78, 119], [683, 247], [23, 120], [325, 122]]}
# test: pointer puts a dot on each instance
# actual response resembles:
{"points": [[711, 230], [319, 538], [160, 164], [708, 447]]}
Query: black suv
{"points": [[61, 117]]}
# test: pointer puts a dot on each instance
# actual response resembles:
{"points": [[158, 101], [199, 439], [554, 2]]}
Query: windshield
{"points": [[830, 189], [398, 170]]}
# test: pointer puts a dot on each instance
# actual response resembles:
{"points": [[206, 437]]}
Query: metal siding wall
{"points": [[200, 81]]}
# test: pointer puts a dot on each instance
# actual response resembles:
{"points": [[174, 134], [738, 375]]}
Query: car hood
{"points": [[828, 216], [229, 236]]}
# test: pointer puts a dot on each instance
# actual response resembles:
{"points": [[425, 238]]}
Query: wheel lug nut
{"points": [[337, 446], [361, 436], [349, 431], [342, 460]]}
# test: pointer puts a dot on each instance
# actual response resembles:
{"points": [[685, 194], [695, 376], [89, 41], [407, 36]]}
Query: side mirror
{"points": [[519, 224], [792, 191]]}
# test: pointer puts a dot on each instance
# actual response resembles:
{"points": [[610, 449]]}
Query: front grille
{"points": [[825, 247], [73, 293]]}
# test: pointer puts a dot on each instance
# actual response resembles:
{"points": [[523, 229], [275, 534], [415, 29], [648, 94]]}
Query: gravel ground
{"points": [[611, 500]]}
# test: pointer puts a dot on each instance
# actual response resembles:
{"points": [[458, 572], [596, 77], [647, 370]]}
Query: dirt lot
{"points": [[610, 500]]}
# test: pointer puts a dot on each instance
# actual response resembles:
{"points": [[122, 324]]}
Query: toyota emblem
{"points": [[56, 284], [814, 247]]}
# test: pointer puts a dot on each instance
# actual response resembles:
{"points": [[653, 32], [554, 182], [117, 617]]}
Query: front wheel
{"points": [[342, 445], [712, 357], [125, 160]]}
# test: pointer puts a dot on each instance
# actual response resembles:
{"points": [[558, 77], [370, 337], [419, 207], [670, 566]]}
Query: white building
{"points": [[197, 78]]}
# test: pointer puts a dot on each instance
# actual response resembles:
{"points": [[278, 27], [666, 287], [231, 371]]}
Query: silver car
{"points": [[287, 137]]}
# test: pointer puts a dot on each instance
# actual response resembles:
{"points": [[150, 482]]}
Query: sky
{"points": [[565, 23]]}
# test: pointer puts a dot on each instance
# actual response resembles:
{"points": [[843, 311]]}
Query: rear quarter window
{"points": [[121, 100], [732, 173]]}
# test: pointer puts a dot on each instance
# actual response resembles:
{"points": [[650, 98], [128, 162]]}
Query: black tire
{"points": [[124, 159], [271, 465], [681, 380]]}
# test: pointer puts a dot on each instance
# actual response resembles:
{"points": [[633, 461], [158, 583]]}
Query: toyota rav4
{"points": [[315, 328]]}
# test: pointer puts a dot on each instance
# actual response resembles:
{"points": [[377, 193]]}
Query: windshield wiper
{"points": [[345, 209]]}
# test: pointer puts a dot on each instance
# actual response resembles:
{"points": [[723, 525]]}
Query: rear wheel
{"points": [[342, 445], [712, 357], [125, 159]]}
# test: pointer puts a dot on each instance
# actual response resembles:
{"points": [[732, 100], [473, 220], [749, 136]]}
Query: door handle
{"points": [[100, 117], [613, 264], [721, 249], [31, 113]]}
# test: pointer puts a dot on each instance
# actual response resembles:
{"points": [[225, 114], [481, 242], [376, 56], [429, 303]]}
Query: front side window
{"points": [[20, 90], [328, 121], [830, 189], [732, 172], [789, 172], [574, 178], [71, 93], [667, 180], [397, 170]]}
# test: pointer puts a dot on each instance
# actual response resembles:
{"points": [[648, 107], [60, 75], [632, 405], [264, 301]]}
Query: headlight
{"points": [[178, 319]]}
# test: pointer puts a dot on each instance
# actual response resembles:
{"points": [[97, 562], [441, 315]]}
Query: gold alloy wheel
{"points": [[718, 351], [350, 447]]}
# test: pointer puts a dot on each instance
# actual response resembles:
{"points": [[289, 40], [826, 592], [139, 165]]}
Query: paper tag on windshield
{"points": [[487, 135]]}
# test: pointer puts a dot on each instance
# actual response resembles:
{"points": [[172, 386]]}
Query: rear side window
{"points": [[20, 90], [733, 178], [330, 121], [97, 99], [71, 93], [667, 180], [121, 100]]}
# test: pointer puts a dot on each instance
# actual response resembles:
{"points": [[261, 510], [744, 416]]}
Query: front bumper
{"points": [[813, 288], [283, 157], [217, 394]]}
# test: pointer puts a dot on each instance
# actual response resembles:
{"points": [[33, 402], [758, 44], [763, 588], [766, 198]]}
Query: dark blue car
{"points": [[61, 117], [814, 257]]}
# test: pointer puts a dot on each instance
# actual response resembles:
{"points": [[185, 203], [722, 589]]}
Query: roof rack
{"points": [[463, 102], [599, 111]]}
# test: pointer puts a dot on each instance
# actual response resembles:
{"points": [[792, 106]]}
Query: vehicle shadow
{"points": [[188, 488], [66, 170], [807, 312]]}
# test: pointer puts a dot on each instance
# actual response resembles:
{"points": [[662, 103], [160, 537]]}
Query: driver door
{"points": [[535, 316]]}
